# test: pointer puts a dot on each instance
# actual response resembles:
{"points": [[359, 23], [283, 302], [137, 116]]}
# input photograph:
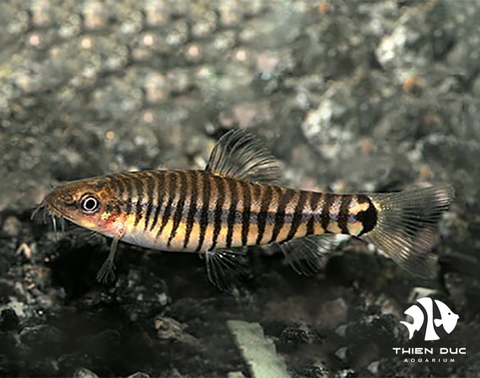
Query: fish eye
{"points": [[89, 204]]}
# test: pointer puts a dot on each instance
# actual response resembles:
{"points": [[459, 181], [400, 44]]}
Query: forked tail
{"points": [[411, 329], [406, 223]]}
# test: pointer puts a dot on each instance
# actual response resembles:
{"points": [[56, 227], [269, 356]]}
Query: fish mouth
{"points": [[54, 213], [49, 208]]}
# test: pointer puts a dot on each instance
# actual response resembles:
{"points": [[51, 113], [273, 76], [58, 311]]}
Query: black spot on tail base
{"points": [[368, 217]]}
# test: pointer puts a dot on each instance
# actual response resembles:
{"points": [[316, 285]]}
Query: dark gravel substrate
{"points": [[351, 96]]}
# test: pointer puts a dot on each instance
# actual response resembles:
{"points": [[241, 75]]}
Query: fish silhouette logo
{"points": [[431, 318]]}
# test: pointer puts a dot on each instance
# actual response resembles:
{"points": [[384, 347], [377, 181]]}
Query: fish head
{"points": [[448, 318], [90, 203]]}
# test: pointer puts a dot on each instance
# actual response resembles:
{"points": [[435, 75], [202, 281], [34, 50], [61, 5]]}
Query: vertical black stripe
{"points": [[117, 186], [204, 210], [343, 213], [150, 183], [162, 182], [192, 208], [247, 207], [314, 200], [114, 184], [263, 214], [138, 183], [218, 212], [298, 214], [177, 217], [325, 216], [129, 190], [284, 198], [232, 187], [171, 193]]}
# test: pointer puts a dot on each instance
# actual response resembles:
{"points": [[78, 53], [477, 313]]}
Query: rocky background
{"points": [[351, 96]]}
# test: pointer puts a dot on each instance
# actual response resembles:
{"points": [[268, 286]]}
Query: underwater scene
{"points": [[239, 188]]}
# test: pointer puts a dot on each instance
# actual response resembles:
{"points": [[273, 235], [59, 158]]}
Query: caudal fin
{"points": [[406, 223], [410, 327]]}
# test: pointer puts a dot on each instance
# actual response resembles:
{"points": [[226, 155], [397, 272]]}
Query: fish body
{"points": [[429, 317], [198, 211], [235, 202]]}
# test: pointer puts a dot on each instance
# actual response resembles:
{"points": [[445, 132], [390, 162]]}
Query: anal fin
{"points": [[226, 268], [305, 254]]}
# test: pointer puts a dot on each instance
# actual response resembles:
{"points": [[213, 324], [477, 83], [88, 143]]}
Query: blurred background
{"points": [[350, 96]]}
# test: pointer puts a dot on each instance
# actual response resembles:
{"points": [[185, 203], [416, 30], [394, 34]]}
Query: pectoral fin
{"points": [[106, 273]]}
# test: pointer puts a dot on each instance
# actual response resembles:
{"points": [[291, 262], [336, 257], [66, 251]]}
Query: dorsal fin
{"points": [[240, 155]]}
